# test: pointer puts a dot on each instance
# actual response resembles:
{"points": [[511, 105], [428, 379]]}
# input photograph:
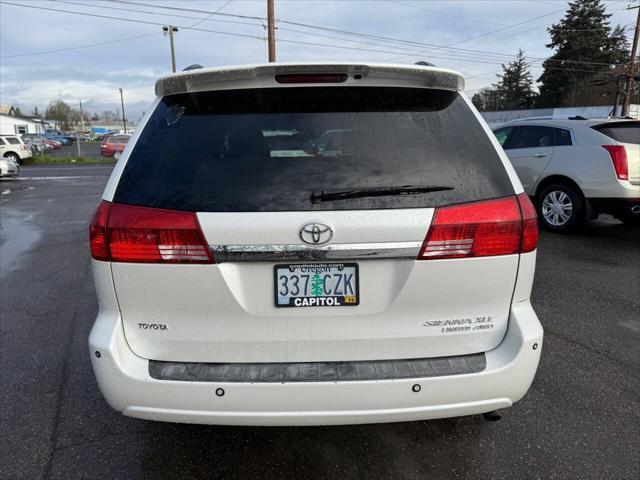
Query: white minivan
{"points": [[253, 270]]}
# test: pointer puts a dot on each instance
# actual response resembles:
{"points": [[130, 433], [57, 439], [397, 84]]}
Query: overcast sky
{"points": [[478, 34]]}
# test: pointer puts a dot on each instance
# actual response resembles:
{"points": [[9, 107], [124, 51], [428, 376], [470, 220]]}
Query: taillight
{"points": [[619, 158], [311, 78], [148, 235], [503, 226], [529, 224], [98, 232]]}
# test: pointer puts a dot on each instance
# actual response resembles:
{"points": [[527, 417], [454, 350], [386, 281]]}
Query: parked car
{"points": [[55, 144], [239, 284], [576, 169], [33, 139], [113, 145], [12, 147], [9, 167], [58, 135]]}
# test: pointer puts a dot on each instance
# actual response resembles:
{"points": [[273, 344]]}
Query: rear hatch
{"points": [[626, 133], [315, 201]]}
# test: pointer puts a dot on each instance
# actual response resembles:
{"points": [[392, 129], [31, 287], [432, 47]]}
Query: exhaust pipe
{"points": [[492, 416], [635, 209]]}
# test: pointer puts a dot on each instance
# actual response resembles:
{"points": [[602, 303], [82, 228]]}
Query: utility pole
{"points": [[124, 120], [631, 74], [171, 30], [81, 132], [272, 31]]}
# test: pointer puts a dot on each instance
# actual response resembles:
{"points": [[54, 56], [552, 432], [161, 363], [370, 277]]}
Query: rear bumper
{"points": [[618, 207], [126, 384]]}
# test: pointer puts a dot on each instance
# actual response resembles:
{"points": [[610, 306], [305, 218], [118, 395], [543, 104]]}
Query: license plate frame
{"points": [[312, 269]]}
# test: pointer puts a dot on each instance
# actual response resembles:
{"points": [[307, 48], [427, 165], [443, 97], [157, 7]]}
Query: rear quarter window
{"points": [[273, 149]]}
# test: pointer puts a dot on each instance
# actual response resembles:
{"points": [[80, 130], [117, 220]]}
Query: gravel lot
{"points": [[581, 418]]}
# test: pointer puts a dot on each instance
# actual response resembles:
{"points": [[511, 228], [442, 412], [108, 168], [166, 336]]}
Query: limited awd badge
{"points": [[316, 233]]}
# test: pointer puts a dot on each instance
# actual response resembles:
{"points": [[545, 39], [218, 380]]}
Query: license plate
{"points": [[317, 285]]}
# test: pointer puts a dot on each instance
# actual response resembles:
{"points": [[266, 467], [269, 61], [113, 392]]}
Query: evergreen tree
{"points": [[36, 114], [583, 35], [515, 87], [18, 112], [513, 91]]}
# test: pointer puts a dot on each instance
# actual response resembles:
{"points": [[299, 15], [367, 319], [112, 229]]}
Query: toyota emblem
{"points": [[316, 233]]}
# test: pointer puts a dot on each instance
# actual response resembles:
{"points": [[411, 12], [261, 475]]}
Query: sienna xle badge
{"points": [[313, 244]]}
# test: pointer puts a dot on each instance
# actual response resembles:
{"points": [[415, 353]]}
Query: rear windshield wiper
{"points": [[328, 196]]}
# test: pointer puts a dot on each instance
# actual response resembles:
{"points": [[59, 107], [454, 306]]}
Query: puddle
{"points": [[18, 234]]}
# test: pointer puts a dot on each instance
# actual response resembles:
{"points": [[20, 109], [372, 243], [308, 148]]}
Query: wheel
{"points": [[13, 156], [560, 208], [116, 155]]}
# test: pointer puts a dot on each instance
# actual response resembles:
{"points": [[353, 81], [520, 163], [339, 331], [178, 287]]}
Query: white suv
{"points": [[575, 169], [14, 149], [245, 277]]}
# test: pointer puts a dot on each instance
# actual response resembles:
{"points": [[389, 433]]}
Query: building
{"points": [[11, 124], [503, 116]]}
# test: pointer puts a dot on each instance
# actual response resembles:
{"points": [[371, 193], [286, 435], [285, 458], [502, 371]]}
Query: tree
{"points": [[515, 87], [18, 112], [36, 114], [109, 116], [486, 100], [513, 91], [61, 111], [95, 117], [585, 48]]}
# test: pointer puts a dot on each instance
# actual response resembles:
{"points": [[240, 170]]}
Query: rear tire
{"points": [[560, 208]]}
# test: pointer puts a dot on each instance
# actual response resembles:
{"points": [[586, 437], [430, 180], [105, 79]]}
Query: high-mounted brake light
{"points": [[619, 158], [311, 78], [480, 229], [125, 233]]}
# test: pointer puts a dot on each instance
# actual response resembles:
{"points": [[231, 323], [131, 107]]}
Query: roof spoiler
{"points": [[264, 75]]}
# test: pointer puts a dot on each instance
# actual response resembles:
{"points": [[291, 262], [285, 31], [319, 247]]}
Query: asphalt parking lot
{"points": [[581, 418], [87, 149]]}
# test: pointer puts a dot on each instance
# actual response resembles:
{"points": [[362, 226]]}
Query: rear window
{"points": [[123, 139], [277, 149], [623, 132]]}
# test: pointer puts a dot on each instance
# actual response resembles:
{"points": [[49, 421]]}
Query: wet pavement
{"points": [[581, 418]]}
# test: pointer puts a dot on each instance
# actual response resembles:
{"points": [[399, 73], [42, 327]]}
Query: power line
{"points": [[122, 19], [251, 17], [420, 7], [482, 53], [212, 13], [190, 17], [45, 52], [201, 20], [475, 60]]}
